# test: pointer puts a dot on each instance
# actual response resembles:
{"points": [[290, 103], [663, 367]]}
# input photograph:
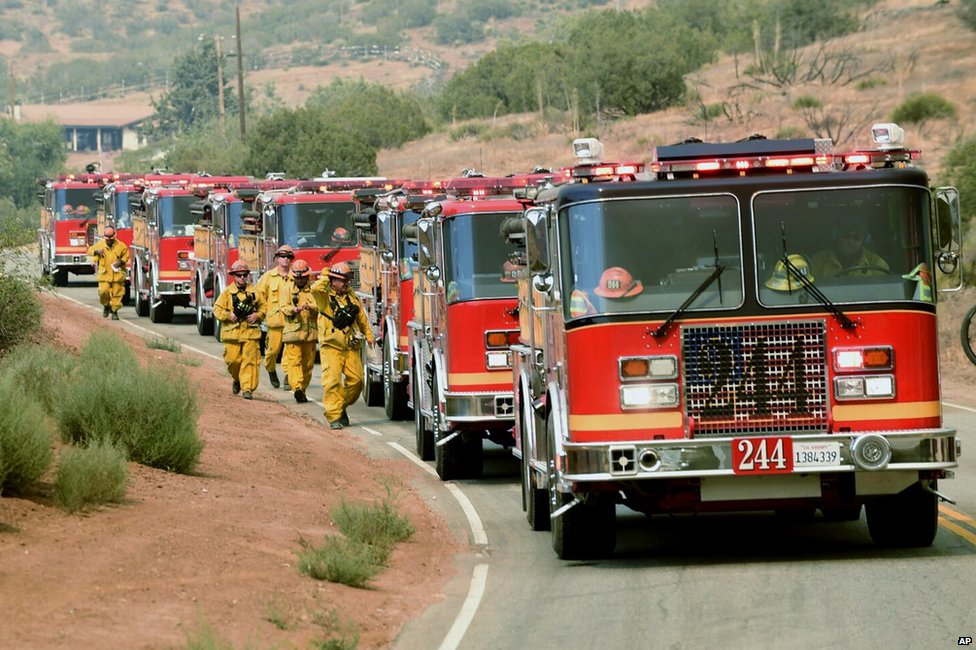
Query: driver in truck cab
{"points": [[848, 256]]}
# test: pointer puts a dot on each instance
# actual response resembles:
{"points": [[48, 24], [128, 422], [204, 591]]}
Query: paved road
{"points": [[682, 582]]}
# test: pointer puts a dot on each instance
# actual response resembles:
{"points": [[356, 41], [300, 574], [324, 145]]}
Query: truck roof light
{"points": [[587, 150], [888, 136]]}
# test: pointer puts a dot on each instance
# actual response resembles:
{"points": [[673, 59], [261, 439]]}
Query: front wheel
{"points": [[425, 433], [968, 334], [205, 322], [60, 278], [142, 305], [907, 519], [372, 387], [534, 500], [587, 530], [394, 392]]}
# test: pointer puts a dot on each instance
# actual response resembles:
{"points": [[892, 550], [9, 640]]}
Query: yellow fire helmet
{"points": [[784, 279]]}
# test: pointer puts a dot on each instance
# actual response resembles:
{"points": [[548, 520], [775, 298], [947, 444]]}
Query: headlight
{"points": [[649, 396]]}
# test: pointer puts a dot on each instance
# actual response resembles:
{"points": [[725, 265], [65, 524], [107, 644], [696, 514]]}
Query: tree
{"points": [[920, 108], [305, 142], [960, 171], [192, 98], [28, 152], [382, 117]]}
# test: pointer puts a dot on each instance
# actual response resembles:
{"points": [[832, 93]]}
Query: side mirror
{"points": [[433, 274], [425, 242], [537, 239], [542, 282], [948, 234]]}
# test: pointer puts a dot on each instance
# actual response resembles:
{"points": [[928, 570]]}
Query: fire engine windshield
{"points": [[118, 210], [74, 204], [650, 254], [476, 257], [173, 215], [235, 224], [859, 244], [318, 225]]}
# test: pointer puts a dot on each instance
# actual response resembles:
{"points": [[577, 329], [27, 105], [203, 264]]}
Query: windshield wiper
{"points": [[814, 291], [811, 288], [663, 328]]}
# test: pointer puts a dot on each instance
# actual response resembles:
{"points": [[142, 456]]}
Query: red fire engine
{"points": [[216, 235], [162, 244], [386, 289], [752, 329], [68, 212], [464, 319]]}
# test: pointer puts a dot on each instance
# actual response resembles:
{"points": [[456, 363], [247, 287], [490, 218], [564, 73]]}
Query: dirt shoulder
{"points": [[218, 544]]}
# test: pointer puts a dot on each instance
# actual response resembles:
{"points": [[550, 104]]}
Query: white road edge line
{"points": [[372, 431], [480, 575], [454, 636], [957, 406]]}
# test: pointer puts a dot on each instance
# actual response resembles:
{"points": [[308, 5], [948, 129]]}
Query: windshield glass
{"points": [[476, 257], [317, 225], [74, 204], [234, 222], [174, 218], [118, 210], [408, 249], [856, 244], [650, 254]]}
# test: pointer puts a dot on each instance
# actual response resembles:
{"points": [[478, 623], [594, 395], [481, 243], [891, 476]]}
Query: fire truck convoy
{"points": [[386, 290], [465, 317], [162, 244], [693, 343]]}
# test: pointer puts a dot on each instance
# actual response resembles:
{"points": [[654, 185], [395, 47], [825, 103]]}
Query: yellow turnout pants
{"points": [[243, 358], [110, 294], [336, 366], [297, 362], [272, 348]]}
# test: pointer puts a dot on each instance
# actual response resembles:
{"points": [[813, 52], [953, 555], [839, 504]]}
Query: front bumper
{"points": [[78, 263], [479, 407], [919, 449], [173, 288]]}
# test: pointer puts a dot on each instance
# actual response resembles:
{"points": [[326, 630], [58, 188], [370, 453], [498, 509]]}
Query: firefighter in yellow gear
{"points": [[342, 328], [241, 309], [111, 258], [271, 287], [300, 333]]}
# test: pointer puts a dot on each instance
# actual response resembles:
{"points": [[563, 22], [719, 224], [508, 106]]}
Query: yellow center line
{"points": [[946, 510], [958, 530]]}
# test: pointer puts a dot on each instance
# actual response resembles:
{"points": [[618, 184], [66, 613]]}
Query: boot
{"points": [[273, 375], [247, 394], [115, 315], [335, 425], [344, 418], [287, 385], [106, 310], [236, 387], [300, 396]]}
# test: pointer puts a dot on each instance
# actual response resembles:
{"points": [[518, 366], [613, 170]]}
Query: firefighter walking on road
{"points": [[342, 328], [300, 333], [241, 309], [112, 258], [271, 287]]}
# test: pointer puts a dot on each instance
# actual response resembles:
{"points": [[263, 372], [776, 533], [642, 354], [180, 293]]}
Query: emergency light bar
{"points": [[603, 172]]}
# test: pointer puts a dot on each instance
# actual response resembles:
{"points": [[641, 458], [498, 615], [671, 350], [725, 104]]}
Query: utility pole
{"points": [[240, 74], [13, 93], [220, 79]]}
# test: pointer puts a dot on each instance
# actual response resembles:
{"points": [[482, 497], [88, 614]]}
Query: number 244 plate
{"points": [[781, 455]]}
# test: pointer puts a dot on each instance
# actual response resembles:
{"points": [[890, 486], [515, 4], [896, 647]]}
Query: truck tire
{"points": [[372, 387], [586, 531], [905, 520], [394, 392], [159, 312], [205, 322], [424, 433], [535, 501], [460, 458], [60, 278], [127, 296], [967, 334], [142, 306]]}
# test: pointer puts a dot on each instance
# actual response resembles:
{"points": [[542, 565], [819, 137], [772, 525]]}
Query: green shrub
{"points": [[340, 634], [20, 312], [922, 107], [163, 343], [40, 370], [871, 82], [91, 476], [149, 412], [470, 130], [341, 560], [379, 524], [25, 439]]}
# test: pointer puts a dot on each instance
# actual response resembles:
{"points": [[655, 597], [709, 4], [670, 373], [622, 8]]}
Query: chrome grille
{"points": [[755, 378]]}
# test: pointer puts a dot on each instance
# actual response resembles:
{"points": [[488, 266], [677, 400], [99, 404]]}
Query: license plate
{"points": [[780, 455], [77, 242]]}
